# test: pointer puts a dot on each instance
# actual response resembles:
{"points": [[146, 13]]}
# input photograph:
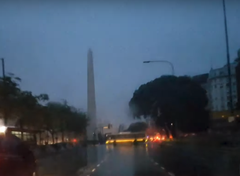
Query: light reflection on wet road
{"points": [[127, 160]]}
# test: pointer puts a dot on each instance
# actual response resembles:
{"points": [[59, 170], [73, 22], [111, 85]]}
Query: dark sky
{"points": [[46, 43]]}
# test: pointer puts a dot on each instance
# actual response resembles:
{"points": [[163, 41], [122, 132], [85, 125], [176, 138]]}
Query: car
{"points": [[16, 159]]}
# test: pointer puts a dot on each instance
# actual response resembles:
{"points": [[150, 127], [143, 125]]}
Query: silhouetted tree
{"points": [[173, 102], [28, 110], [9, 91], [137, 127]]}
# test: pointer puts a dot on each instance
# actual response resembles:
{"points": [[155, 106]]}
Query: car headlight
{"points": [[3, 129]]}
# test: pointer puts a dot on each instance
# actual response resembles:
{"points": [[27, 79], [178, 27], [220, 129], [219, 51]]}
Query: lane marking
{"points": [[98, 165], [171, 174], [93, 170], [156, 163], [163, 168]]}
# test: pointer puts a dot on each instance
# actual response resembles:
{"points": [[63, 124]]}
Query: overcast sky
{"points": [[46, 43]]}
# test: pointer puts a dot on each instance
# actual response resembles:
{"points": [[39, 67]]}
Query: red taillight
{"points": [[74, 140]]}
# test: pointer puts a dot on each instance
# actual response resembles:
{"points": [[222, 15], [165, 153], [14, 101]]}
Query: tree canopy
{"points": [[137, 127], [36, 111], [172, 102]]}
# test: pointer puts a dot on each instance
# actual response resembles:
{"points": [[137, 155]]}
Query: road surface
{"points": [[127, 160], [180, 161], [144, 160], [152, 160]]}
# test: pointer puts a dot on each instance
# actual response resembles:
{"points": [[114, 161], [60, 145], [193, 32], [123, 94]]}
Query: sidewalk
{"points": [[62, 164], [71, 162]]}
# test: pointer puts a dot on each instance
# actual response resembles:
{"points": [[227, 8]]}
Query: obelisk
{"points": [[91, 106]]}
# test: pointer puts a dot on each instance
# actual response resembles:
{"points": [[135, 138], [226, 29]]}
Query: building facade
{"points": [[218, 88], [238, 78]]}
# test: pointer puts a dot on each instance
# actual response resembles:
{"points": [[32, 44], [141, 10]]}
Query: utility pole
{"points": [[228, 59], [4, 88], [3, 68]]}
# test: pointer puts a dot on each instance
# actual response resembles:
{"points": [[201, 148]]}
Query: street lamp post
{"points": [[228, 58], [173, 73], [162, 61]]}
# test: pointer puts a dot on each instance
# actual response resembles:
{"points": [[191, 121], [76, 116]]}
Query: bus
{"points": [[126, 137]]}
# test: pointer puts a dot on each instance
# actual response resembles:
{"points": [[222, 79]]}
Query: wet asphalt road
{"points": [[125, 160], [150, 160], [143, 160], [180, 160]]}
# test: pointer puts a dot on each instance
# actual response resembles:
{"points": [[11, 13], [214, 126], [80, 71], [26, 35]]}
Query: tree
{"points": [[238, 56], [27, 109], [60, 117], [53, 118], [9, 91], [137, 127], [78, 121], [30, 112], [173, 102]]}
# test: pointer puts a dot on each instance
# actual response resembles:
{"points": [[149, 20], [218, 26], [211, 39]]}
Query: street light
{"points": [[172, 67], [3, 129], [162, 61]]}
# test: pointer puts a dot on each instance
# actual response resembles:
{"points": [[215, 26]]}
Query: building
{"points": [[216, 83], [238, 78], [218, 88]]}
